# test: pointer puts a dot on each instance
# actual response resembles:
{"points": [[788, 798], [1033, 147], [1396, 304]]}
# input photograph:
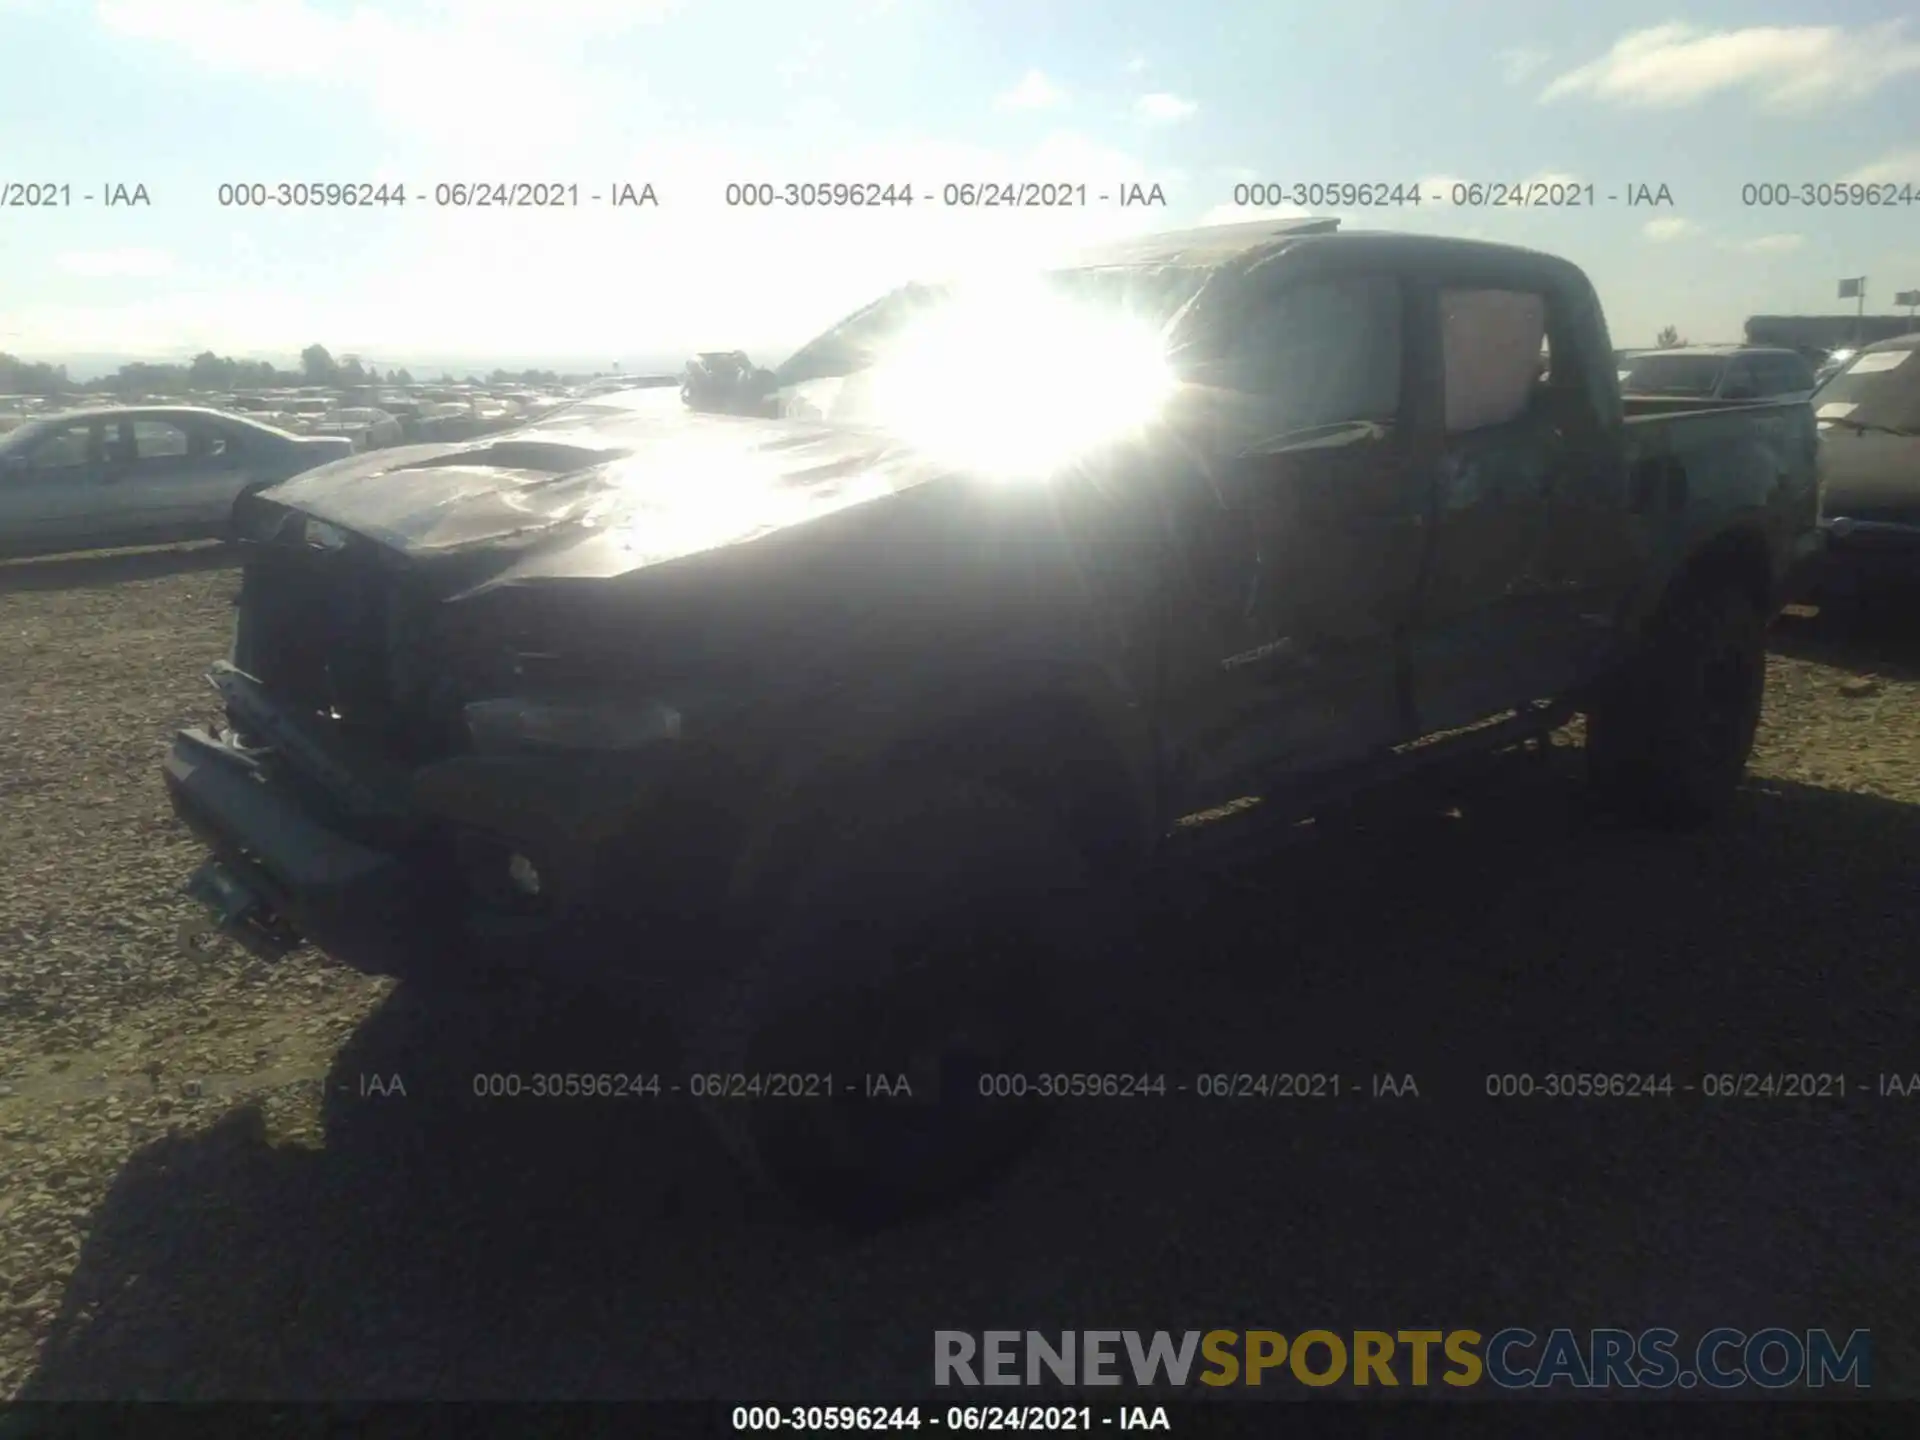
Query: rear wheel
{"points": [[1668, 741], [935, 943]]}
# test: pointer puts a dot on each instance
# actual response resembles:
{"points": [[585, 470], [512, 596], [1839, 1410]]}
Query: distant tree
{"points": [[446, 378], [1668, 338], [31, 377], [352, 372], [209, 371], [401, 377], [141, 378], [318, 366]]}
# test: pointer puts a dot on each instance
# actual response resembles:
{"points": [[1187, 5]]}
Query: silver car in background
{"points": [[148, 475]]}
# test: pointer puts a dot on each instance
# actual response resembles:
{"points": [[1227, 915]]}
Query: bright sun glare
{"points": [[1015, 379]]}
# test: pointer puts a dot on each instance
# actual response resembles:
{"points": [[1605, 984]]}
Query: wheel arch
{"points": [[1069, 741], [1741, 556]]}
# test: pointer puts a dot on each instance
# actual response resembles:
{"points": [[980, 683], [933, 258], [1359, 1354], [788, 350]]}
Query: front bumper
{"points": [[304, 880], [407, 874]]}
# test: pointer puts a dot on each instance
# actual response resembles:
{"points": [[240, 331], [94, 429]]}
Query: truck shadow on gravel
{"points": [[113, 567], [1879, 639], [445, 1247]]}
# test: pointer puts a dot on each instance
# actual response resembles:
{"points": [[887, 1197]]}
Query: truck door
{"points": [[1491, 630], [1310, 527]]}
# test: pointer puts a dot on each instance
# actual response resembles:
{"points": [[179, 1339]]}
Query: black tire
{"points": [[940, 934], [1669, 739]]}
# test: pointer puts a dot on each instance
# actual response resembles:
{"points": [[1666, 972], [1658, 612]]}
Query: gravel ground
{"points": [[199, 1197]]}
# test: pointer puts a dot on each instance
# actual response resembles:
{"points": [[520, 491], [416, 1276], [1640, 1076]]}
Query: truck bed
{"points": [[1682, 429], [1641, 407], [1711, 466]]}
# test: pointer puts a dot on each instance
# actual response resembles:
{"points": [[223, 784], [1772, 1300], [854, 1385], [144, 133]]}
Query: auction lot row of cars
{"points": [[371, 417], [102, 472]]}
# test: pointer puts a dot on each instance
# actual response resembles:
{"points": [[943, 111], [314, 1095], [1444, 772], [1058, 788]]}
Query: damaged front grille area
{"points": [[339, 635]]}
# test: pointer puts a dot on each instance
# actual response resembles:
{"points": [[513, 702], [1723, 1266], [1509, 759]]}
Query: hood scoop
{"points": [[548, 457]]}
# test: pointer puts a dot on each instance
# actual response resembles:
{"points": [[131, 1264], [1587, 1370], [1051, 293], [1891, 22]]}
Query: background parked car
{"points": [[1869, 417], [367, 428], [442, 421], [491, 413], [1832, 365], [138, 476], [1718, 372]]}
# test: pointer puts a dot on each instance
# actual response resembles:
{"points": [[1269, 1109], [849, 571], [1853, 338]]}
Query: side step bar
{"points": [[1281, 813]]}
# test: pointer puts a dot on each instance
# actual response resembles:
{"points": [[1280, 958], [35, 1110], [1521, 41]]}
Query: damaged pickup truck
{"points": [[844, 731]]}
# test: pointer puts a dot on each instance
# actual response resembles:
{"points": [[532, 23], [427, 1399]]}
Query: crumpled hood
{"points": [[605, 487]]}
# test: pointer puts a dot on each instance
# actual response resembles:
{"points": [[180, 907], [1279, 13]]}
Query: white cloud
{"points": [[420, 72], [1785, 67], [802, 63], [101, 264], [1900, 169], [1164, 108], [1668, 229], [1522, 61], [1773, 244], [1034, 92], [1137, 65]]}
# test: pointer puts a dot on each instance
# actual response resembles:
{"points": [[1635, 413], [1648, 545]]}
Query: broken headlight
{"points": [[495, 726]]}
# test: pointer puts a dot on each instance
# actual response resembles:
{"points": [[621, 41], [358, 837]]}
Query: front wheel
{"points": [[1668, 741], [936, 942]]}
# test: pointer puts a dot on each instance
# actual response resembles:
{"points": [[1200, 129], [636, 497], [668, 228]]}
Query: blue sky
{"points": [[181, 95]]}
